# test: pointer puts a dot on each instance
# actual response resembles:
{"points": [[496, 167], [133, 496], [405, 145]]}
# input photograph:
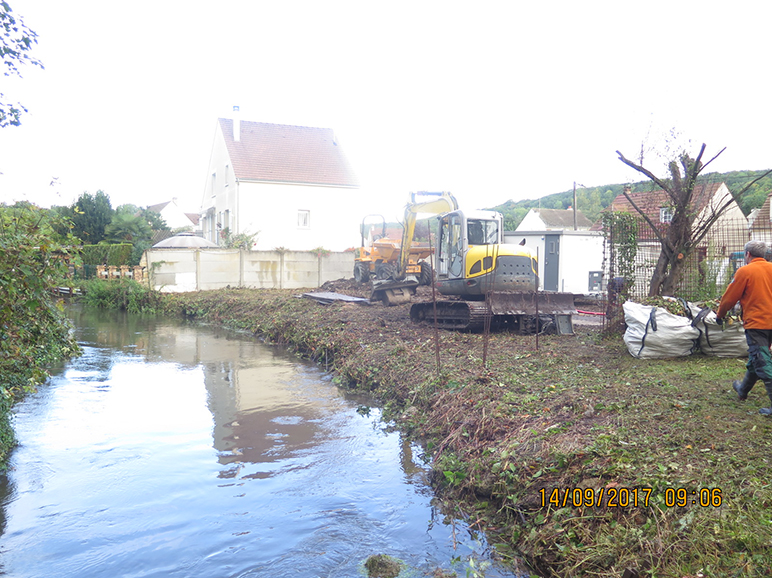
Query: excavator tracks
{"points": [[517, 310], [459, 315]]}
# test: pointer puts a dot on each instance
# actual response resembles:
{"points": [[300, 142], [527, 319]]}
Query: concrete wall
{"points": [[182, 270]]}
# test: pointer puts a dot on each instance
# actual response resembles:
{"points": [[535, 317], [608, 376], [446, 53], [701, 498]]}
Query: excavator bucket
{"points": [[531, 303], [393, 292], [561, 305]]}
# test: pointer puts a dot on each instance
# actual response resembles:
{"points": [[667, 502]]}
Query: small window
{"points": [[665, 215], [304, 219]]}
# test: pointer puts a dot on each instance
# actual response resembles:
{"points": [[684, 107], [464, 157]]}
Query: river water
{"points": [[172, 449]]}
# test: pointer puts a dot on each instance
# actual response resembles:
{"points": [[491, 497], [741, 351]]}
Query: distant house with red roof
{"points": [[706, 199], [717, 250], [761, 221], [289, 184]]}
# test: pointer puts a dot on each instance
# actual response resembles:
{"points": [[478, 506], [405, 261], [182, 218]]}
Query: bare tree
{"points": [[691, 220]]}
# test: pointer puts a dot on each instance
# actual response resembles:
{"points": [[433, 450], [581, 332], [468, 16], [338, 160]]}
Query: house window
{"points": [[214, 184], [665, 214], [304, 219]]}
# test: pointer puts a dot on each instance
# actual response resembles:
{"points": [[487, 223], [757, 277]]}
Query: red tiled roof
{"points": [[650, 202], [287, 154]]}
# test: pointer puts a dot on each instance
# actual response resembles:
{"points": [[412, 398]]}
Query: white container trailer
{"points": [[569, 261]]}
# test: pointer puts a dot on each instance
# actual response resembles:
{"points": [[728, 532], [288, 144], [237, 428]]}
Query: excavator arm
{"points": [[421, 202]]}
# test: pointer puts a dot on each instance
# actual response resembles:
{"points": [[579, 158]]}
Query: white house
{"points": [[174, 217], [289, 185], [554, 219]]}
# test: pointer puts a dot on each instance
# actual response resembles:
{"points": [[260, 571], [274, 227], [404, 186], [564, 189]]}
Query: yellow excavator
{"points": [[496, 282]]}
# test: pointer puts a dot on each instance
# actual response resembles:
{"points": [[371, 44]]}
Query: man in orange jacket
{"points": [[752, 287]]}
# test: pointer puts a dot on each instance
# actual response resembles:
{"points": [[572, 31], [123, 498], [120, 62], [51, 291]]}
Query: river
{"points": [[173, 449]]}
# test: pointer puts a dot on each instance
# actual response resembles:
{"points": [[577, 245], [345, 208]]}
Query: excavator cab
{"points": [[472, 260]]}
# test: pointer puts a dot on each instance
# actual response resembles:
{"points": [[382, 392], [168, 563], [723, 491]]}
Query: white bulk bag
{"points": [[655, 333], [728, 341]]}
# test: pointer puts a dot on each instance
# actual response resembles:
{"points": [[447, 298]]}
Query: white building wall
{"points": [[579, 255], [334, 215], [219, 204]]}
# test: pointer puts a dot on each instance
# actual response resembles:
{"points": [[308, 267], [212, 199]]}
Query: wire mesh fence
{"points": [[631, 252]]}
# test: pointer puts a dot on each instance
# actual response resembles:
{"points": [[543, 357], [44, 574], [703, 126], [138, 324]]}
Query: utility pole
{"points": [[574, 205]]}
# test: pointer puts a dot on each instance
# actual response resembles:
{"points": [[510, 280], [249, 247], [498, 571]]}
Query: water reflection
{"points": [[175, 450]]}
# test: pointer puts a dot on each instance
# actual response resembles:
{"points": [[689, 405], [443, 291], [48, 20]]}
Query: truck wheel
{"points": [[385, 271], [425, 277], [361, 273]]}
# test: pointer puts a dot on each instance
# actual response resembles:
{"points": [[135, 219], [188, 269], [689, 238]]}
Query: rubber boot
{"points": [[767, 411], [743, 387]]}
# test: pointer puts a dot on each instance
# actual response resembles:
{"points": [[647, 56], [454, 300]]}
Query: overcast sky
{"points": [[490, 100]]}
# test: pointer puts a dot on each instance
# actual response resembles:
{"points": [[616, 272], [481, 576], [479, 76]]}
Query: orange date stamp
{"points": [[621, 497]]}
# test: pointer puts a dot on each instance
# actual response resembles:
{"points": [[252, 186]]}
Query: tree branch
{"points": [[643, 170], [714, 158]]}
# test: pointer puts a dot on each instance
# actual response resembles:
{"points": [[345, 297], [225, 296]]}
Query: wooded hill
{"points": [[592, 200]]}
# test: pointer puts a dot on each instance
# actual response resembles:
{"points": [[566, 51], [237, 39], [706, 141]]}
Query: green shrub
{"points": [[124, 294], [34, 332]]}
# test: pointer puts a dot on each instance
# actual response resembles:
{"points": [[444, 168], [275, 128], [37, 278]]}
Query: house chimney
{"points": [[236, 124]]}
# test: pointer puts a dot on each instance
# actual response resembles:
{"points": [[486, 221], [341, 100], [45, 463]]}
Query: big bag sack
{"points": [[655, 333], [717, 340]]}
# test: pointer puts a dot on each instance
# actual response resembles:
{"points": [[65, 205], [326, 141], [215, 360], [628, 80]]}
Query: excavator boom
{"points": [[421, 203]]}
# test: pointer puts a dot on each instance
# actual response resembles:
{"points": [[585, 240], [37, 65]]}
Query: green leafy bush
{"points": [[34, 332], [124, 294]]}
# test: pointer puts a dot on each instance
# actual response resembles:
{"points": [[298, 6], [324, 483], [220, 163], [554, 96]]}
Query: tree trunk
{"points": [[659, 275], [674, 276]]}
